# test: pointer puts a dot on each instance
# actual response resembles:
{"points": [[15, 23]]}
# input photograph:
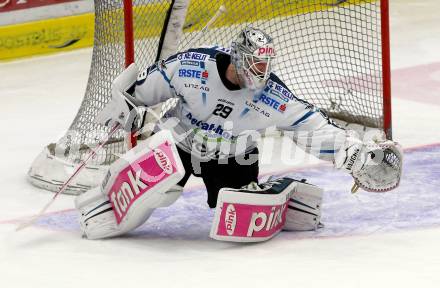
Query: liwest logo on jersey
{"points": [[279, 91], [190, 62], [192, 56], [272, 103]]}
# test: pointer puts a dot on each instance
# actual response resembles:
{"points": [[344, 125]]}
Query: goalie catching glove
{"points": [[375, 167], [123, 108]]}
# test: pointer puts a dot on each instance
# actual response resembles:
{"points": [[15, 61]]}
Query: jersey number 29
{"points": [[222, 110]]}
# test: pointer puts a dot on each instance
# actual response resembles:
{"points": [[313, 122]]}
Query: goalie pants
{"points": [[216, 174]]}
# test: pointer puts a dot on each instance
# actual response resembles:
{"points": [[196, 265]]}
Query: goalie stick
{"points": [[93, 152], [220, 11]]}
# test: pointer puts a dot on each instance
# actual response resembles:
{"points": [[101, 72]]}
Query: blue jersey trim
{"points": [[327, 151], [303, 118], [244, 112], [165, 77], [172, 57]]}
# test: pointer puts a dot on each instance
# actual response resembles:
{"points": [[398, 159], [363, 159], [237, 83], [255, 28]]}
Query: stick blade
{"points": [[26, 223], [30, 221]]}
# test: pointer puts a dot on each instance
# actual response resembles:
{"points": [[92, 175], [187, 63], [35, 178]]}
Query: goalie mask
{"points": [[253, 54]]}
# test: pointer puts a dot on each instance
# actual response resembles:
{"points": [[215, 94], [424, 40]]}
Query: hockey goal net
{"points": [[332, 53]]}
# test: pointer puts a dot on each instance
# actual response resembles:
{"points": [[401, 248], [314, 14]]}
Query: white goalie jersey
{"points": [[215, 119]]}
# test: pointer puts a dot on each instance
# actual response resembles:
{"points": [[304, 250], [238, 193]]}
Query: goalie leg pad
{"points": [[304, 209], [254, 213], [97, 218], [143, 179]]}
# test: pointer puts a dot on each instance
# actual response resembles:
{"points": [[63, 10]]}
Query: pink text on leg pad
{"points": [[139, 177], [247, 220]]}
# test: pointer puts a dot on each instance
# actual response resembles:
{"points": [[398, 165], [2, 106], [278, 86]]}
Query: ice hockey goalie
{"points": [[224, 96]]}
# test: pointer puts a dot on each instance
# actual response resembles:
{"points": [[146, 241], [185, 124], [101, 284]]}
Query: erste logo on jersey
{"points": [[272, 103], [191, 73], [205, 75]]}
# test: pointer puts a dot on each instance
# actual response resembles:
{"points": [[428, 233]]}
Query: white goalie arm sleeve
{"points": [[155, 84], [313, 131]]}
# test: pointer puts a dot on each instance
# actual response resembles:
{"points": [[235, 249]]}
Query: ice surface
{"points": [[413, 205]]}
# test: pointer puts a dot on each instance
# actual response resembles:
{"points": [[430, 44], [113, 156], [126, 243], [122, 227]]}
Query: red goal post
{"points": [[332, 53], [386, 67]]}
